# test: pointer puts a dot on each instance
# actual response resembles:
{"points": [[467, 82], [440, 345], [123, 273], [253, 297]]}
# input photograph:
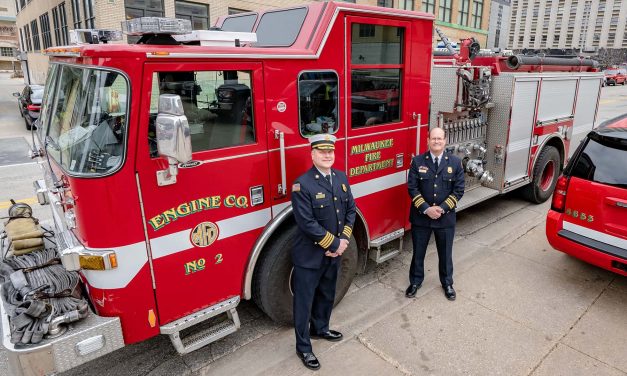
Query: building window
{"points": [[76, 14], [63, 19], [444, 13], [407, 4], [6, 51], [237, 11], [35, 31], [198, 14], [464, 8], [88, 12], [385, 3], [29, 45], [428, 6], [44, 21], [497, 35], [477, 13]]}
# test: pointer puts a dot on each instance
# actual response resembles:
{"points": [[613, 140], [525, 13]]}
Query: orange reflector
{"points": [[89, 262], [75, 49], [160, 53], [113, 260], [152, 319]]}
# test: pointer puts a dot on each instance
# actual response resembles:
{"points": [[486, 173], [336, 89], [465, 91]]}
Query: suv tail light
{"points": [[33, 107], [559, 195]]}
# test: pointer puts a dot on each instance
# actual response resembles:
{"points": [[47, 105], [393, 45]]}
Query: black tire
{"points": [[272, 279], [545, 173], [28, 126]]}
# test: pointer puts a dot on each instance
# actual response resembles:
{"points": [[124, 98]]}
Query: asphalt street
{"points": [[522, 308]]}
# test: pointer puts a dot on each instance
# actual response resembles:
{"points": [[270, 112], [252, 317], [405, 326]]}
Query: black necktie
{"points": [[328, 177], [436, 163]]}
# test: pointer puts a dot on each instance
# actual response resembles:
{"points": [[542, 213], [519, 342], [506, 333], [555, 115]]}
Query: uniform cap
{"points": [[322, 141]]}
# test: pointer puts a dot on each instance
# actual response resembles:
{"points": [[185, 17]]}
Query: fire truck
{"points": [[168, 162]]}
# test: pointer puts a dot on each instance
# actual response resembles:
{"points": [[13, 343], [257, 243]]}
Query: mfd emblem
{"points": [[449, 170], [204, 234], [344, 187]]}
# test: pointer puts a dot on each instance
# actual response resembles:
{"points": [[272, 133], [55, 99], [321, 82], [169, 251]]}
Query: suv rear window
{"points": [[597, 162]]}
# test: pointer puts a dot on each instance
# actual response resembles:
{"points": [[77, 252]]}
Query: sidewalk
{"points": [[521, 309]]}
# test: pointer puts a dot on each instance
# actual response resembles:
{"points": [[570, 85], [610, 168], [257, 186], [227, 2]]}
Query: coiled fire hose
{"points": [[39, 294]]}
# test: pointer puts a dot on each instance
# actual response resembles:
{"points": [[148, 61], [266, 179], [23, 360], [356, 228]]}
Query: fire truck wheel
{"points": [[545, 173], [272, 281]]}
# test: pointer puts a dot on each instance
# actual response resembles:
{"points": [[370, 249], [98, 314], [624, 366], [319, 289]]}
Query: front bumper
{"points": [[84, 340], [579, 250]]}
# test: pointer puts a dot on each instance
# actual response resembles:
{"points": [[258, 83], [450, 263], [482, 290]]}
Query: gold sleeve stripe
{"points": [[454, 199], [450, 203], [419, 202], [327, 240], [347, 231], [415, 198]]}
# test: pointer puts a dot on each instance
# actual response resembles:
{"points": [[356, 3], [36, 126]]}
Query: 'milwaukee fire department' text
{"points": [[371, 149]]}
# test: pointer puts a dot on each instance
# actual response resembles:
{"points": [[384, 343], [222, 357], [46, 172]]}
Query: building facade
{"points": [[46, 23], [583, 25], [8, 36], [498, 28]]}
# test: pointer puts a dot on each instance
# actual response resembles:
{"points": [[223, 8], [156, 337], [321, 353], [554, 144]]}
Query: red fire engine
{"points": [[169, 162]]}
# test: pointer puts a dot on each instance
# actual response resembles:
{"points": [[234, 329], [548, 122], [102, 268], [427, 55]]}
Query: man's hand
{"points": [[342, 247], [434, 212]]}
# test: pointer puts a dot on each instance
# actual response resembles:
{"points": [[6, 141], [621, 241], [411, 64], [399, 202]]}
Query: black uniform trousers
{"points": [[314, 292], [444, 243]]}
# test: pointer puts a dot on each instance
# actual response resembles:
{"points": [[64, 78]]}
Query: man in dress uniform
{"points": [[324, 210], [435, 183]]}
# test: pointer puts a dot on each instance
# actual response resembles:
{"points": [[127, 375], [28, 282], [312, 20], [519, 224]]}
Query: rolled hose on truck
{"points": [[38, 294]]}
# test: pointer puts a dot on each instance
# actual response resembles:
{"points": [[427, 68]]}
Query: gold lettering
{"points": [[229, 201], [204, 203], [242, 202], [157, 222], [170, 215], [183, 210], [215, 202]]}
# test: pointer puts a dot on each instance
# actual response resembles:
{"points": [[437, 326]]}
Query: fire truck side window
{"points": [[217, 104], [376, 92], [318, 103]]}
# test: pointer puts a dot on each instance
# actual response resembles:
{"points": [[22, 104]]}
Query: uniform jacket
{"points": [[324, 214], [428, 187]]}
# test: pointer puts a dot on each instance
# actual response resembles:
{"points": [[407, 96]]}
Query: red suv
{"points": [[615, 77], [588, 216]]}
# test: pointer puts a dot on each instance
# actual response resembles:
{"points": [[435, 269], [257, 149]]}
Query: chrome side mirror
{"points": [[173, 137]]}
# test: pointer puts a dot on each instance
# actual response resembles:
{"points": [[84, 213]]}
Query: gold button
{"points": [[315, 242], [335, 198], [340, 222], [435, 185], [322, 206], [434, 194], [436, 175], [337, 210]]}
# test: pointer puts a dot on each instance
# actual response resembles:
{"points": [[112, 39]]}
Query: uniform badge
{"points": [[344, 187], [449, 170], [423, 169], [320, 196], [296, 187]]}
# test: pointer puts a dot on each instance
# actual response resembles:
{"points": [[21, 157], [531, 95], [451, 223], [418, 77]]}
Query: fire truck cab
{"points": [[169, 163]]}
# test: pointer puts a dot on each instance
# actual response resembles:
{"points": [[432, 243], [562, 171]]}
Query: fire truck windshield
{"points": [[87, 120]]}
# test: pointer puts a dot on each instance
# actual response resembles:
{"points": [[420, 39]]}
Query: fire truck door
{"points": [[379, 121], [201, 228]]}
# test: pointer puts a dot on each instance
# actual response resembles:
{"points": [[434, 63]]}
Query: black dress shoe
{"points": [[449, 292], [411, 291], [309, 360], [330, 335]]}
